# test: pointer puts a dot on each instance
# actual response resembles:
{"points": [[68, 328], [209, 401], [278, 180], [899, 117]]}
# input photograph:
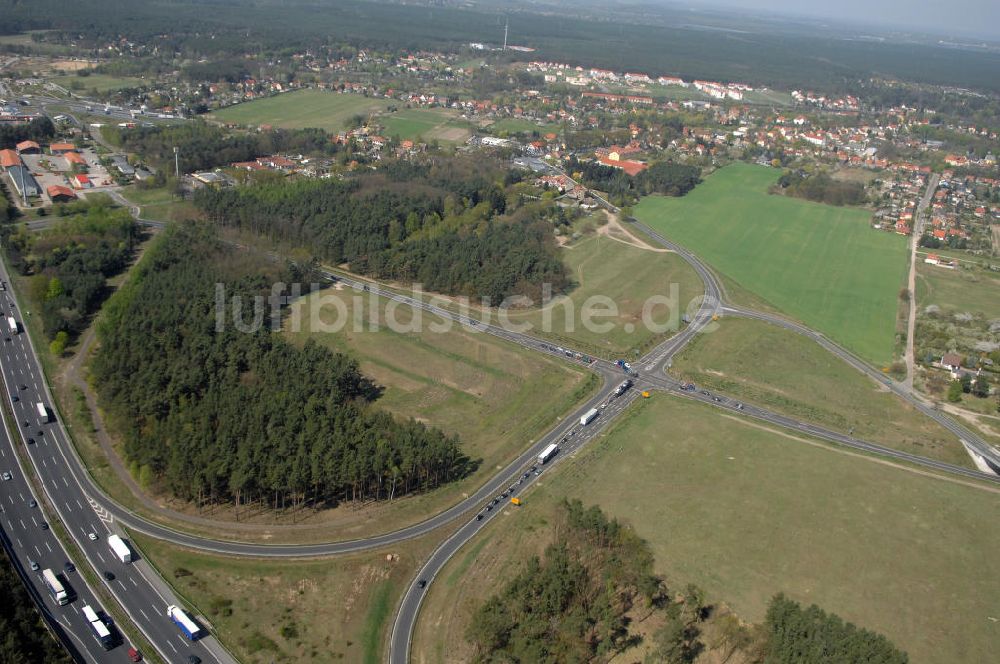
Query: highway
{"points": [[68, 483], [136, 586], [26, 542]]}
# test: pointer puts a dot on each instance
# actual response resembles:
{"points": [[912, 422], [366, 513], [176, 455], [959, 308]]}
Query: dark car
{"points": [[44, 526], [31, 441], [479, 517], [24, 387], [39, 433], [69, 567], [15, 398], [422, 583], [27, 424], [110, 577], [194, 659]]}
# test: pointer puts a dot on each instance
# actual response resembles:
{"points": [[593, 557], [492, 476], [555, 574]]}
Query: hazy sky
{"points": [[968, 17]]}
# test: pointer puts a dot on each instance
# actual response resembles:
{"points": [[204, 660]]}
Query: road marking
{"points": [[22, 524], [65, 481], [133, 582], [124, 589], [47, 546], [171, 644]]}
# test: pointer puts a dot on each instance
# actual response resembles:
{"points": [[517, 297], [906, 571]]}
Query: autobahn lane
{"points": [[402, 629], [30, 544], [136, 586]]}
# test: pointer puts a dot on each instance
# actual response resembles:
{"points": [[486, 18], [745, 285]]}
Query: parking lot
{"points": [[51, 169]]}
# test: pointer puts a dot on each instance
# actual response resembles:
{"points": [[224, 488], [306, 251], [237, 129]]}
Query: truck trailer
{"points": [[184, 622], [12, 324], [120, 548], [547, 453], [43, 413], [588, 417]]}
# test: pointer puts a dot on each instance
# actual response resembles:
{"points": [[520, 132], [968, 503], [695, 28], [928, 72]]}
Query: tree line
{"points": [[202, 146], [40, 130], [582, 600], [797, 635], [69, 263], [463, 240], [571, 605], [216, 414], [665, 177], [822, 188]]}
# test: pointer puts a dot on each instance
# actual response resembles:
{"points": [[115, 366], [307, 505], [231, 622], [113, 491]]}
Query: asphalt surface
{"points": [[137, 587]]}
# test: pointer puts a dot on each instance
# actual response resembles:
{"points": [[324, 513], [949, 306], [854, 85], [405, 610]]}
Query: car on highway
{"points": [[69, 567], [194, 659], [15, 398], [32, 503], [43, 525], [31, 441], [33, 565], [422, 583], [479, 517], [92, 537], [7, 476], [110, 576], [27, 424], [739, 406], [134, 655], [24, 387]]}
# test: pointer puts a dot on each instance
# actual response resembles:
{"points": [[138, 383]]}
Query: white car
{"points": [[93, 537], [6, 476], [34, 566]]}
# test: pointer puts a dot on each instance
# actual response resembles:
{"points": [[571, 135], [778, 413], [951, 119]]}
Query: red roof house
{"points": [[60, 194]]}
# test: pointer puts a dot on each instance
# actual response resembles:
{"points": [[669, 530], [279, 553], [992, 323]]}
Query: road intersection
{"points": [[69, 482]]}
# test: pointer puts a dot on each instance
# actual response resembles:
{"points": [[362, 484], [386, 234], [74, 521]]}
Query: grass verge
{"points": [[746, 511]]}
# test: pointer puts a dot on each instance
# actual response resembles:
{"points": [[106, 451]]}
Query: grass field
{"points": [[302, 108], [496, 396], [820, 264], [747, 512], [629, 276], [293, 611], [159, 204], [788, 373], [99, 82], [518, 125], [426, 124], [959, 290]]}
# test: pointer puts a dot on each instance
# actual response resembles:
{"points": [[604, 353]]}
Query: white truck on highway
{"points": [[547, 453], [12, 324], [588, 417], [120, 548], [43, 413]]}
